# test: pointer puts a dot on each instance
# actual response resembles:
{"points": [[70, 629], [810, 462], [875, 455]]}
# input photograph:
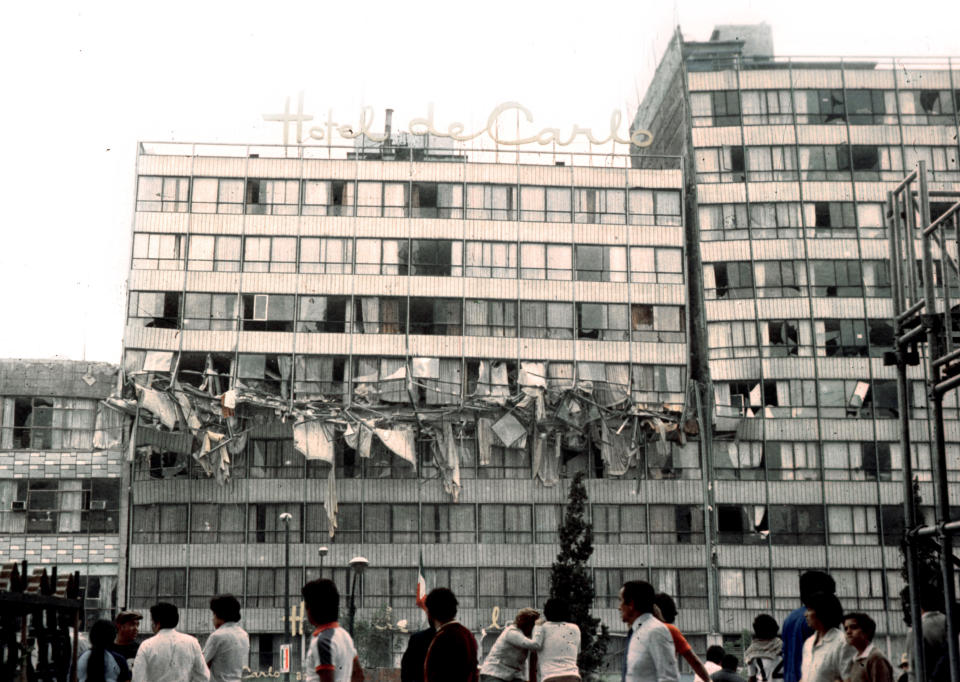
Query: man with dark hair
{"points": [[128, 626], [666, 611], [411, 665], [169, 656], [331, 655], [934, 632], [452, 655], [795, 630], [228, 646], [715, 654], [764, 656], [728, 670], [869, 665], [649, 654]]}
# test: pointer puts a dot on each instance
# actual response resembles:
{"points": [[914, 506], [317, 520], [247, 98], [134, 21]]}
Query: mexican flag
{"points": [[421, 585]]}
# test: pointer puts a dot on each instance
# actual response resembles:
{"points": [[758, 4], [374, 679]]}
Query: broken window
{"points": [[495, 260], [836, 278], [543, 320], [825, 162], [272, 197], [680, 524], [217, 312], [796, 524], [490, 318], [604, 321], [153, 251], [270, 254], [927, 106], [323, 314], [601, 263], [436, 200], [267, 312], [328, 197], [841, 338], [865, 107], [865, 158], [156, 309], [47, 423], [491, 202], [739, 460], [217, 195], [876, 278], [733, 160], [319, 375], [605, 206], [819, 106], [268, 373], [728, 280], [833, 219], [436, 316], [742, 524], [163, 193], [881, 337], [207, 371], [664, 323], [208, 252], [436, 257], [876, 461], [546, 261]]}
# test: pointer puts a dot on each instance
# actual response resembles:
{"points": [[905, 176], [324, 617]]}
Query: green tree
{"points": [[571, 581], [374, 639]]}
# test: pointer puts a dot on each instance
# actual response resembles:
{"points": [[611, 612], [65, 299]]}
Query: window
{"points": [[604, 321], [267, 312], [860, 461], [742, 524], [508, 588], [265, 588], [100, 504], [462, 581], [217, 523], [852, 525], [273, 458], [761, 107], [157, 251], [497, 260], [270, 254], [436, 316], [780, 279], [448, 523], [723, 221], [776, 163], [157, 309], [533, 203], [326, 254], [744, 588], [732, 339], [387, 523], [656, 264], [792, 461], [217, 312], [919, 107], [601, 263], [323, 314], [436, 258], [436, 200], [615, 524], [491, 202], [543, 320], [328, 197], [490, 318], [819, 106], [319, 375], [606, 206], [830, 219], [676, 524], [784, 338], [558, 204], [796, 525], [658, 323], [264, 524], [47, 423], [771, 220], [741, 461], [837, 278], [160, 523], [163, 193], [510, 524], [207, 252], [150, 585], [217, 195], [382, 256], [546, 261], [841, 338], [720, 164], [728, 280], [830, 162], [717, 108], [206, 583], [870, 106], [272, 197]]}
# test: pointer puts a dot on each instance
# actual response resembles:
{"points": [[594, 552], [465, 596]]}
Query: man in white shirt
{"points": [[169, 656], [331, 655], [649, 655], [228, 647]]}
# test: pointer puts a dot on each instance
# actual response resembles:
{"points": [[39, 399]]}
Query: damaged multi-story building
{"points": [[411, 352], [788, 162], [62, 474]]}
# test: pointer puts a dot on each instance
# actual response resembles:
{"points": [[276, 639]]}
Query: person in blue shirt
{"points": [[795, 630]]}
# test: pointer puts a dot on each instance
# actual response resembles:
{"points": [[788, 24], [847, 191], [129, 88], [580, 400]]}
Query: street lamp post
{"points": [[285, 518], [322, 551], [357, 563]]}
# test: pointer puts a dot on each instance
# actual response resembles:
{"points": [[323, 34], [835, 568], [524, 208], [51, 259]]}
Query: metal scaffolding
{"points": [[923, 311]]}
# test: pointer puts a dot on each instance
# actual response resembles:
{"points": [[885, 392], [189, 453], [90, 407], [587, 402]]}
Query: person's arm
{"points": [[663, 654], [697, 665], [140, 666], [200, 672], [516, 637], [210, 648], [357, 674]]}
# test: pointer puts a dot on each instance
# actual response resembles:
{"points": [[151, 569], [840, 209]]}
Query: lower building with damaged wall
{"points": [[421, 353], [62, 474]]}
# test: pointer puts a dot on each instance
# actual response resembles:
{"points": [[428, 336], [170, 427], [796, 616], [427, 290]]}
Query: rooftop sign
{"points": [[455, 130]]}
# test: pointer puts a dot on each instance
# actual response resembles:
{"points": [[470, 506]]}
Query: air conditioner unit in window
{"points": [[98, 504], [18, 505]]}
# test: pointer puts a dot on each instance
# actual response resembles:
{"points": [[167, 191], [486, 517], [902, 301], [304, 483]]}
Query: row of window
{"points": [[801, 398], [788, 279], [265, 196], [46, 423], [422, 257], [401, 315], [784, 338], [47, 506], [785, 163], [826, 105]]}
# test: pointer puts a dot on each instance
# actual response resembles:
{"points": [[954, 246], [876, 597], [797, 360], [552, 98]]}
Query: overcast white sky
{"points": [[83, 81]]}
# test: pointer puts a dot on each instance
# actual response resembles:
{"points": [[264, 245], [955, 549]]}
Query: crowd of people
{"points": [[818, 642]]}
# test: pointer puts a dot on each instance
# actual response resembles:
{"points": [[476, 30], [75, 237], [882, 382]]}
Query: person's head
{"points": [[322, 601], [636, 599], [226, 609], [556, 610], [931, 598], [904, 662], [715, 654], [102, 634], [812, 582], [859, 629], [729, 663], [765, 627], [441, 604], [525, 620], [164, 616], [668, 607], [128, 626], [823, 612]]}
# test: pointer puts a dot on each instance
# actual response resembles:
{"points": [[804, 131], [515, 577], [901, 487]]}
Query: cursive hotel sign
{"points": [[455, 130]]}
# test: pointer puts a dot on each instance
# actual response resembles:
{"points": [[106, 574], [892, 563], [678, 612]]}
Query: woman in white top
{"points": [[559, 644], [826, 654], [507, 660]]}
